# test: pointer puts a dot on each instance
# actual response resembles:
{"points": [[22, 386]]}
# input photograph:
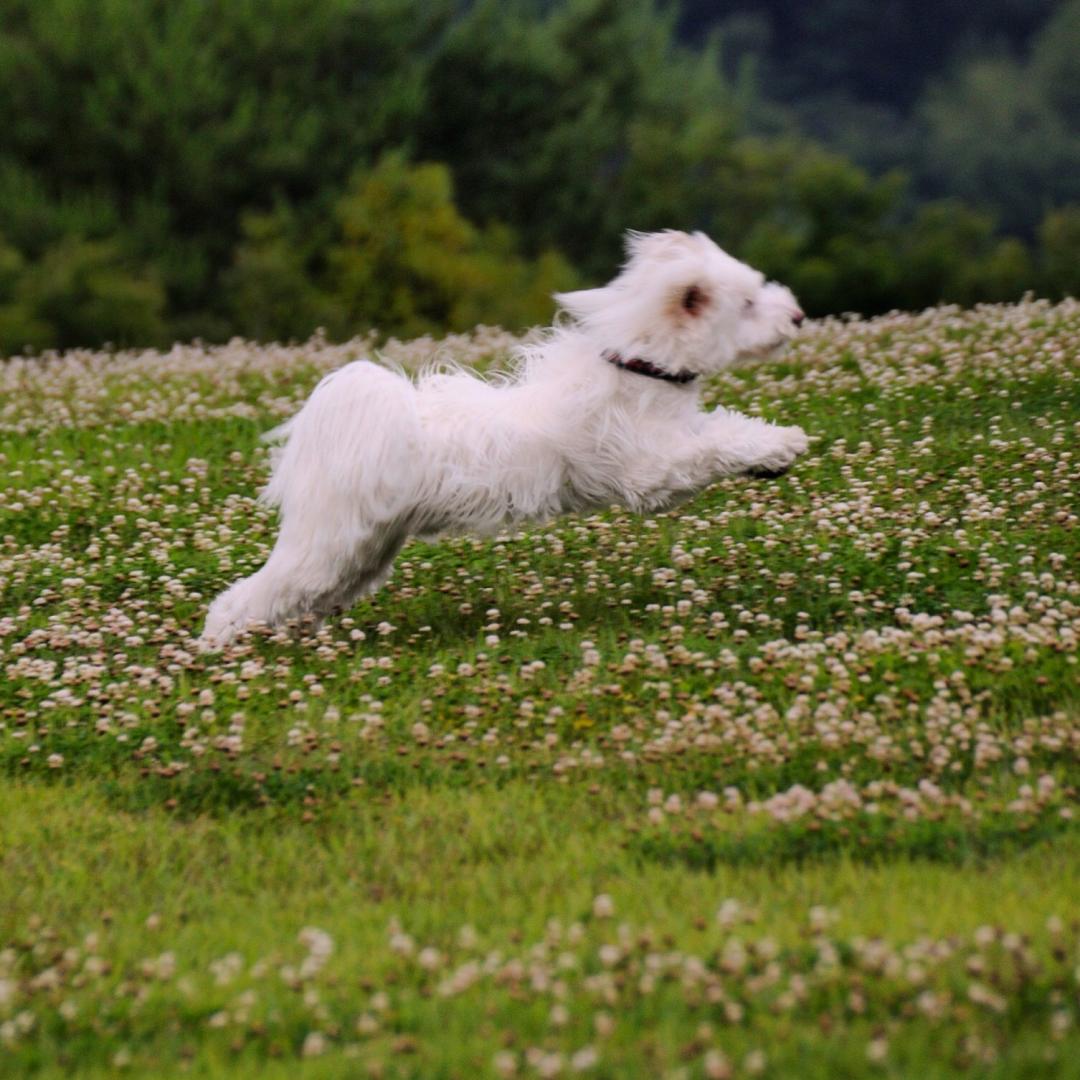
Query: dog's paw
{"points": [[766, 472], [225, 621], [797, 439], [219, 636], [215, 638], [207, 643], [789, 444]]}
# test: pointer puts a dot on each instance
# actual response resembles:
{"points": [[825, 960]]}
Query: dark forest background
{"points": [[172, 169]]}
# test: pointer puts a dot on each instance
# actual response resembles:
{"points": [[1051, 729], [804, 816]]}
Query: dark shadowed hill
{"points": [[881, 52]]}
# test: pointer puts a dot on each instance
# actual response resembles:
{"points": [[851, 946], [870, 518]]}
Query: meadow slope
{"points": [[782, 782]]}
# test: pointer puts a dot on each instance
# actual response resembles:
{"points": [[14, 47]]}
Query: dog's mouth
{"points": [[769, 349]]}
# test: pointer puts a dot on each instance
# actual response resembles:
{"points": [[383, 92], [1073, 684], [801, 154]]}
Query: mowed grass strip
{"points": [[197, 927]]}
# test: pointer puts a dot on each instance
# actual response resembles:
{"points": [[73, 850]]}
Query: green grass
{"points": [[782, 782], [503, 860]]}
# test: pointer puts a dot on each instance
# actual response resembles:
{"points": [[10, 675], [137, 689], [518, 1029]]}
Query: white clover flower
{"points": [[603, 906], [315, 1044], [754, 1062], [716, 1066], [877, 1050], [429, 959], [505, 1064], [584, 1059]]}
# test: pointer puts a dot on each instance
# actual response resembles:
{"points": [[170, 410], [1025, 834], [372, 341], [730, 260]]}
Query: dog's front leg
{"points": [[747, 445], [669, 471]]}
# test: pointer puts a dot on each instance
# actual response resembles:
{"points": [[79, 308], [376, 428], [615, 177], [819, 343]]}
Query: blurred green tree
{"points": [[1059, 252], [540, 109], [79, 291], [184, 168], [175, 117], [398, 257], [270, 288], [1003, 134], [407, 262]]}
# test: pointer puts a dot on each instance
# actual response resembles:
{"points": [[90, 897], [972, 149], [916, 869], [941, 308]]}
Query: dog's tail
{"points": [[352, 448]]}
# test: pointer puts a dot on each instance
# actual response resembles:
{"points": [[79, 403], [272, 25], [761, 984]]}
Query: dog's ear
{"points": [[584, 302], [693, 300]]}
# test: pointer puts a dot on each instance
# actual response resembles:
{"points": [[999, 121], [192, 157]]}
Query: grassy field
{"points": [[783, 783]]}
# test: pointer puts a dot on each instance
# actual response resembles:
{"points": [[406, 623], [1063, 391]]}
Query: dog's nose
{"points": [[798, 318]]}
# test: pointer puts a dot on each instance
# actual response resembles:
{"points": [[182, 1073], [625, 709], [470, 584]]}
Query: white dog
{"points": [[603, 410]]}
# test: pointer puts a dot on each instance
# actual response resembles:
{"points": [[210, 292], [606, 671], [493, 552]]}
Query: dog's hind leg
{"points": [[370, 570], [300, 580], [343, 481]]}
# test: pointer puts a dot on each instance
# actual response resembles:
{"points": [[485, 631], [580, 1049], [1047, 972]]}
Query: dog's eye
{"points": [[748, 304], [693, 299]]}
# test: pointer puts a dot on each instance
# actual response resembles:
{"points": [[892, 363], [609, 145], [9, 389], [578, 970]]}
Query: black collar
{"points": [[643, 367]]}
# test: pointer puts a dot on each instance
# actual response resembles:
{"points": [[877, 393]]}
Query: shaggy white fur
{"points": [[605, 409]]}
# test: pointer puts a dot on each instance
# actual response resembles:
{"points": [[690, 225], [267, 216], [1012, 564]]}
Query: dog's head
{"points": [[682, 303]]}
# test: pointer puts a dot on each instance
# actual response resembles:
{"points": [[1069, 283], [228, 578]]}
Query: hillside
{"points": [[785, 780]]}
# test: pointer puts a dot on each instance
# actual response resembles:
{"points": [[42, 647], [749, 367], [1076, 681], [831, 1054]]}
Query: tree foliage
{"points": [[398, 258], [179, 168]]}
